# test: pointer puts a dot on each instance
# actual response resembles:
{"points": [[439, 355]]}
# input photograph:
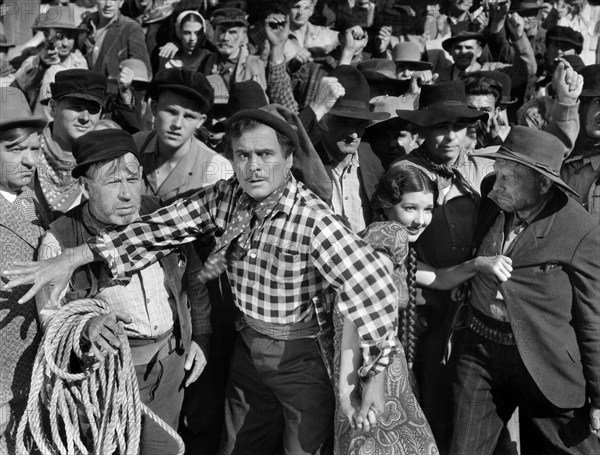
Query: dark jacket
{"points": [[553, 298]]}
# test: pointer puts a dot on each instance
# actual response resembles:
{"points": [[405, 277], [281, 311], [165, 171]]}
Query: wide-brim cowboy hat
{"points": [[536, 149], [390, 105], [16, 111], [355, 102], [440, 103]]}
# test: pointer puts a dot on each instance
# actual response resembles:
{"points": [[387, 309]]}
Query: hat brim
{"points": [[506, 100], [58, 25], [36, 122], [447, 44], [417, 64], [181, 89], [440, 114], [356, 112], [521, 159], [6, 45], [590, 92], [529, 9], [82, 96], [233, 23]]}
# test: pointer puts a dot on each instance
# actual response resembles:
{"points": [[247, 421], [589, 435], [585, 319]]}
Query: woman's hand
{"points": [[499, 266], [168, 51]]}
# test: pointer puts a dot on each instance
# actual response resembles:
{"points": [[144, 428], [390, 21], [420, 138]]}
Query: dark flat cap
{"points": [[229, 16], [189, 83], [79, 83], [567, 35], [102, 145]]}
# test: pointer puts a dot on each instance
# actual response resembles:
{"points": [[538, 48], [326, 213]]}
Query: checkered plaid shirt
{"points": [[299, 251]]}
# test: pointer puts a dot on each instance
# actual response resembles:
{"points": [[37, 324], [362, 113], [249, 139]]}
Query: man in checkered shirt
{"points": [[285, 251]]}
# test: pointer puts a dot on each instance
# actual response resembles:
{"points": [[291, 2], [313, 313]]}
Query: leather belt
{"points": [[495, 331], [147, 350]]}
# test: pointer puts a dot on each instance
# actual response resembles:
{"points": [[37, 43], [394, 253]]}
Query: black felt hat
{"points": [[101, 145], [591, 81], [567, 35], [460, 37], [441, 103]]}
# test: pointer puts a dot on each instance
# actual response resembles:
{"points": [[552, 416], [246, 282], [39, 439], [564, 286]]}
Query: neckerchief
{"points": [[234, 241], [60, 189], [449, 174]]}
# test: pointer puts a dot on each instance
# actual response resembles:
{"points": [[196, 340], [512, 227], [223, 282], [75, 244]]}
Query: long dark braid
{"points": [[408, 316]]}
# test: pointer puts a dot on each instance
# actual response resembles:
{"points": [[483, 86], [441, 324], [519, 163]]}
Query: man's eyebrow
{"points": [[264, 150]]}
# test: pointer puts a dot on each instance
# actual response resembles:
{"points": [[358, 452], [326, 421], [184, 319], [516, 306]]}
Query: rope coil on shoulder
{"points": [[95, 411]]}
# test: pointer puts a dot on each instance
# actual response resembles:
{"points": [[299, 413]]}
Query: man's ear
{"points": [[52, 104], [84, 185], [154, 107], [479, 51]]}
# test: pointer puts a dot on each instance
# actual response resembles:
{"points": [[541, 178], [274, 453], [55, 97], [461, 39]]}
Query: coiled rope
{"points": [[106, 393]]}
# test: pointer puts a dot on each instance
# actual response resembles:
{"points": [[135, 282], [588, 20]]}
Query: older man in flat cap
{"points": [[288, 258], [534, 340], [164, 308]]}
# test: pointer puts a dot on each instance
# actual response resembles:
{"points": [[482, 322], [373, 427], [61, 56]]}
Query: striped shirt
{"points": [[300, 251]]}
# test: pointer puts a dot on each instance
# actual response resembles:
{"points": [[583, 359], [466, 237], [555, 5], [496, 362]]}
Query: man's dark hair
{"points": [[243, 125], [481, 85]]}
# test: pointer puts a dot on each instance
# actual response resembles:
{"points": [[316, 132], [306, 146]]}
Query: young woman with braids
{"points": [[403, 204]]}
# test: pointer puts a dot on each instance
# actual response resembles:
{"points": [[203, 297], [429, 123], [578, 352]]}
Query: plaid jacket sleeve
{"points": [[127, 249], [279, 86], [365, 290]]}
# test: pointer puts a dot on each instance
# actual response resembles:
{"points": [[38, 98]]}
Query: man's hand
{"points": [[105, 333], [125, 80], [49, 56], [419, 78], [303, 56], [55, 272], [277, 28], [330, 90], [195, 361], [595, 421], [168, 51], [354, 39], [566, 83], [373, 402], [498, 15], [384, 37], [516, 25]]}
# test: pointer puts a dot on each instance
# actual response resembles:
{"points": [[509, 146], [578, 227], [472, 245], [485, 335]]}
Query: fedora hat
{"points": [[391, 105], [59, 16], [242, 95], [591, 80], [101, 145], [78, 83], [408, 53], [186, 82], [355, 102], [501, 78], [525, 7], [16, 111], [441, 103], [536, 149], [460, 37]]}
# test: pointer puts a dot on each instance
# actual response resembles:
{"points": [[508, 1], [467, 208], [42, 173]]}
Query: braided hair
{"points": [[397, 181]]}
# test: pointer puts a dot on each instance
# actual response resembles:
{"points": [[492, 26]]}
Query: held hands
{"points": [[566, 83], [499, 266], [104, 333], [362, 413]]}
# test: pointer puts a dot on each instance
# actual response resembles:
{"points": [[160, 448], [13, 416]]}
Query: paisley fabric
{"points": [[402, 428]]}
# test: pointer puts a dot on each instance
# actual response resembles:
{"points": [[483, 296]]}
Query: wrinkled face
{"points": [[445, 141], [229, 39], [516, 188], [115, 190], [18, 162], [64, 40], [344, 134], [465, 53], [259, 162], [73, 117], [109, 9], [190, 35], [592, 119], [300, 12], [176, 119], [414, 212]]}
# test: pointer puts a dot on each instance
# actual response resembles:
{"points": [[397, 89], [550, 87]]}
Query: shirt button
{"points": [[253, 255], [453, 225], [155, 327], [346, 198], [147, 300]]}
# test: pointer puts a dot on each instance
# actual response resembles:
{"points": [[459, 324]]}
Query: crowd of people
{"points": [[323, 227]]}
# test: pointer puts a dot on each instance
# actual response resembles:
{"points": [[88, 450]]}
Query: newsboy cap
{"points": [[102, 145], [188, 83], [567, 35], [79, 83], [229, 16]]}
